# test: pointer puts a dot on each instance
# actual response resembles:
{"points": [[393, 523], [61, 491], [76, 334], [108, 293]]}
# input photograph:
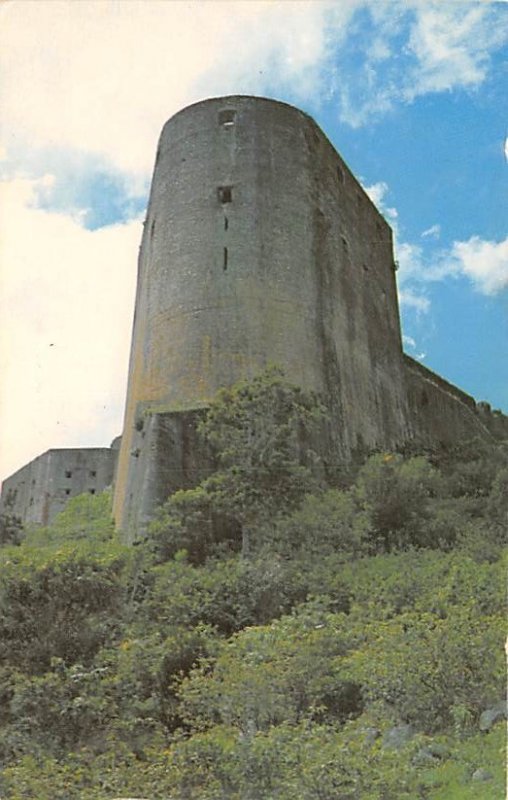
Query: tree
{"points": [[262, 433], [394, 493], [61, 603], [11, 529]]}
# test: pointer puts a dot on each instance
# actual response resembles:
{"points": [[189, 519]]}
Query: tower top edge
{"points": [[229, 99]]}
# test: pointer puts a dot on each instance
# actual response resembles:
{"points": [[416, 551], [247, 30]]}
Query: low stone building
{"points": [[37, 492]]}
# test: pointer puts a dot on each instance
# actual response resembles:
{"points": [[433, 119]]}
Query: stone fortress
{"points": [[259, 247]]}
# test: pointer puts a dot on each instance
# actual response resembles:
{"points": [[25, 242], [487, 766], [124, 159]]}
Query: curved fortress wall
{"points": [[259, 247]]}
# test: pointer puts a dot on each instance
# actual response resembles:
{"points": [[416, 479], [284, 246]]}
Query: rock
{"points": [[492, 715], [371, 734], [397, 737], [482, 774], [431, 753]]}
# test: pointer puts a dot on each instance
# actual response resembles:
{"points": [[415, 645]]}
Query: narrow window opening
{"points": [[226, 223], [68, 473], [227, 118], [152, 229], [93, 473], [340, 174], [92, 491], [67, 491], [225, 194], [225, 265]]}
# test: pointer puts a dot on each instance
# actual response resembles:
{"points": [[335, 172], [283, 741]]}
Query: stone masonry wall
{"points": [[260, 247], [40, 490], [441, 413]]}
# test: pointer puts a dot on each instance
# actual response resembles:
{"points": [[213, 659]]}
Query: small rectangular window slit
{"points": [[227, 118], [225, 194], [225, 264], [226, 223]]}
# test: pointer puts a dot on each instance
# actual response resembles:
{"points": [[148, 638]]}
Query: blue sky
{"points": [[410, 93]]}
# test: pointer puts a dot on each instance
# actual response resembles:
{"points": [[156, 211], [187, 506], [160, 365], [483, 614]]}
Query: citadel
{"points": [[259, 247]]}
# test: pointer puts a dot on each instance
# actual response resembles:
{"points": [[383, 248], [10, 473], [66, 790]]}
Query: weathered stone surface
{"points": [[250, 256], [481, 775], [492, 715], [397, 737], [431, 753], [440, 413], [372, 734], [40, 490], [169, 456]]}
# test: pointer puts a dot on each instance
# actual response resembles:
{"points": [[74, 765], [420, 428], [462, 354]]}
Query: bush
{"points": [[61, 603]]}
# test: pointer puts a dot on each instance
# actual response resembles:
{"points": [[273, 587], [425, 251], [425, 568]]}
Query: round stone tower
{"points": [[260, 247]]}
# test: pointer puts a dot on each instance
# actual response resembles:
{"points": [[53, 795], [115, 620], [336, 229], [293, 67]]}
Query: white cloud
{"points": [[433, 232], [66, 306], [436, 47], [410, 343], [104, 77], [452, 44], [484, 263], [415, 301], [377, 193]]}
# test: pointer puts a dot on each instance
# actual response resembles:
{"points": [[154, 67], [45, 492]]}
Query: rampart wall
{"points": [[440, 413]]}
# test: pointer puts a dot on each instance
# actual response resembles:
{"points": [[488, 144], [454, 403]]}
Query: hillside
{"points": [[288, 630]]}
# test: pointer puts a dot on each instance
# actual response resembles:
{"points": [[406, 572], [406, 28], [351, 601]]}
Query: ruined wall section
{"points": [[441, 414], [260, 247], [40, 490], [169, 455]]}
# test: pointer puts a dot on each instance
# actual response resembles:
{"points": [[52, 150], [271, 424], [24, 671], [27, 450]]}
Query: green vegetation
{"points": [[274, 638]]}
